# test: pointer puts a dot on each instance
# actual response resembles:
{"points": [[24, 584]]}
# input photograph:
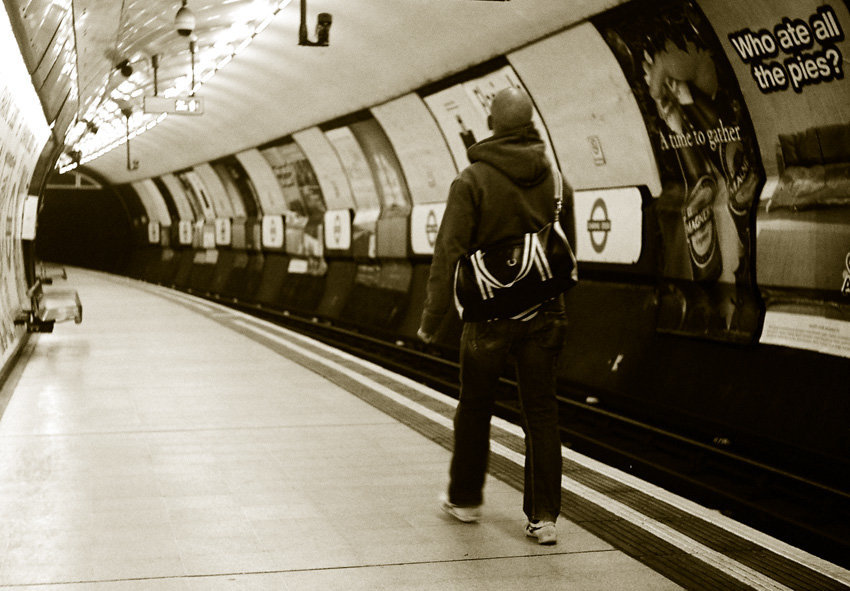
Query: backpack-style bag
{"points": [[509, 279]]}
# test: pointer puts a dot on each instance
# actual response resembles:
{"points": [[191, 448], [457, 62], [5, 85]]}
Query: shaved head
{"points": [[511, 108]]}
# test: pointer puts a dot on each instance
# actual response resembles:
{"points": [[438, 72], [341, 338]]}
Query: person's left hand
{"points": [[424, 336]]}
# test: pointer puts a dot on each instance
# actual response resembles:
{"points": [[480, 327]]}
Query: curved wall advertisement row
{"points": [[665, 123], [23, 132]]}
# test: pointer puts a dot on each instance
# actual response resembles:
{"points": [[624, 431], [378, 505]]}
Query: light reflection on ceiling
{"points": [[377, 51], [146, 29]]}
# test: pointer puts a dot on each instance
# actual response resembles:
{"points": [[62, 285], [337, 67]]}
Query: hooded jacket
{"points": [[505, 192]]}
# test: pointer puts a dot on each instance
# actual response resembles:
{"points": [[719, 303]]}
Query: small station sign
{"points": [[177, 105]]}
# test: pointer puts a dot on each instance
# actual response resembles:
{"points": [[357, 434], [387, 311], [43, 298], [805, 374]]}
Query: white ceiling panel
{"points": [[378, 50]]}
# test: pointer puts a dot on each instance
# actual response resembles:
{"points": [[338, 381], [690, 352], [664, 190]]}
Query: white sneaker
{"points": [[465, 514], [544, 531]]}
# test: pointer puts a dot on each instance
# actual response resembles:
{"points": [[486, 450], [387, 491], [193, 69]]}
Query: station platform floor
{"points": [[168, 443]]}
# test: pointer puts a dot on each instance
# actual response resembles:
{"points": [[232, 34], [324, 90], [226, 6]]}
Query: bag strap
{"points": [[559, 191]]}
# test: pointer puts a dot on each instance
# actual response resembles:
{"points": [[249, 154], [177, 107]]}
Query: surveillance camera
{"points": [[323, 28], [184, 21], [125, 68]]}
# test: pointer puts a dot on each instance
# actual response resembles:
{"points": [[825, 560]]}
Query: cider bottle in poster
{"points": [[740, 179], [728, 155], [684, 117], [698, 215]]}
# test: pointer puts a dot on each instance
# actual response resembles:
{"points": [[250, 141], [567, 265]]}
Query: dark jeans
{"points": [[484, 349]]}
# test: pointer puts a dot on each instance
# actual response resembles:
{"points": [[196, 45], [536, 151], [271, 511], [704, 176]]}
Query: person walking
{"points": [[506, 191]]}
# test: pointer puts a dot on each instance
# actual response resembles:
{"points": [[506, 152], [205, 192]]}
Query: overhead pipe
{"points": [[131, 164], [193, 48], [155, 64]]}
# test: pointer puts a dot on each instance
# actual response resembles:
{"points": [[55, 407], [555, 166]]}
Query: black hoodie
{"points": [[506, 191]]}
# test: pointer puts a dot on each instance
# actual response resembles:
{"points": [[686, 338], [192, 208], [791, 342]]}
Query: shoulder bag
{"points": [[509, 279]]}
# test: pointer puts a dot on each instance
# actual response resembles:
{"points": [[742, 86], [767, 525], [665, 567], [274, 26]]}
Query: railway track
{"points": [[800, 510]]}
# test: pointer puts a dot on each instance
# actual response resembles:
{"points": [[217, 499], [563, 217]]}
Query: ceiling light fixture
{"points": [[115, 128]]}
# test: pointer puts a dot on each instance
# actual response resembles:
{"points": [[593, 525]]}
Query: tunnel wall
{"points": [[86, 226]]}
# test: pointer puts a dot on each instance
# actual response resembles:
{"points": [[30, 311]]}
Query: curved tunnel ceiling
{"points": [[378, 50]]}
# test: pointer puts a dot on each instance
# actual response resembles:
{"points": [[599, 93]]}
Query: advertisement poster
{"points": [[791, 58], [323, 159], [171, 236], [10, 270], [23, 132], [214, 190], [195, 191], [711, 172], [462, 111], [366, 202], [300, 188], [356, 168], [481, 91], [461, 123], [175, 188], [281, 160], [591, 114], [153, 201], [267, 189], [419, 145], [802, 50], [803, 230], [393, 231], [239, 189], [158, 202], [231, 189], [386, 169]]}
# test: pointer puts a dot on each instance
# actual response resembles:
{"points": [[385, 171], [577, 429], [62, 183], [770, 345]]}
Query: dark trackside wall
{"points": [[86, 226]]}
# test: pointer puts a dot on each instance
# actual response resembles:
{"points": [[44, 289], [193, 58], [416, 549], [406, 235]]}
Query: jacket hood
{"points": [[518, 153]]}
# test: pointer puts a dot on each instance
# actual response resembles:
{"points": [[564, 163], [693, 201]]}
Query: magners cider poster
{"points": [[709, 166]]}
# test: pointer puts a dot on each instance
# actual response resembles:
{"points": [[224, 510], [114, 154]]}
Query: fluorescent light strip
{"points": [[206, 78]]}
